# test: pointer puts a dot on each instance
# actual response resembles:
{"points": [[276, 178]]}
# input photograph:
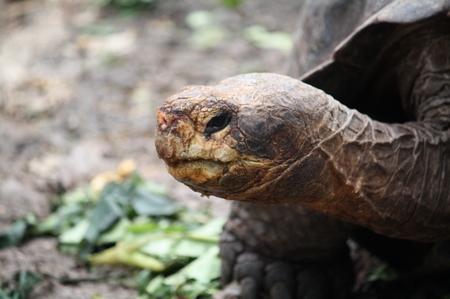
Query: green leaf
{"points": [[14, 235], [107, 212], [142, 279], [115, 234], [194, 289], [27, 281], [149, 204], [50, 225], [155, 284], [212, 228], [80, 195], [155, 188], [143, 227], [65, 217], [18, 231], [190, 244], [190, 248], [204, 269], [24, 282], [3, 295], [160, 248], [75, 234]]}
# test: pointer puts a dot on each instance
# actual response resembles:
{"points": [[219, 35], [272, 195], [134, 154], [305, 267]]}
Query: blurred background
{"points": [[80, 81]]}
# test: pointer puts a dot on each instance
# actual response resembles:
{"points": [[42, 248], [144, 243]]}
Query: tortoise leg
{"points": [[285, 252]]}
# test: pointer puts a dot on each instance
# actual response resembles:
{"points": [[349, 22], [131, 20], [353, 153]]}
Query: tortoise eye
{"points": [[217, 123]]}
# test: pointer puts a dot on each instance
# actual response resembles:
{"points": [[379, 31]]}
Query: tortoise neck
{"points": [[382, 175]]}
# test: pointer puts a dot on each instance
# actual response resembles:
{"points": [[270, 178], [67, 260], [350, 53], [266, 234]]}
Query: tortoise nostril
{"points": [[162, 120]]}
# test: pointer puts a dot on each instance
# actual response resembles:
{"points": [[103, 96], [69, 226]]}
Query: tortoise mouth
{"points": [[197, 172]]}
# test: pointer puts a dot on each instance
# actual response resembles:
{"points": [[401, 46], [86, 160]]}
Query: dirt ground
{"points": [[79, 85]]}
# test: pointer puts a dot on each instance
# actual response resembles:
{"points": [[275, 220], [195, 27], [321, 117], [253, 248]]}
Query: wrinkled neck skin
{"points": [[389, 178], [392, 179], [291, 143]]}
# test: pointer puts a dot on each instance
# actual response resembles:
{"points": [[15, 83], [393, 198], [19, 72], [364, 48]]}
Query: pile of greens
{"points": [[122, 220]]}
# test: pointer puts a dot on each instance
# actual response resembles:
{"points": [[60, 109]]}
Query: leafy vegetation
{"points": [[121, 220], [18, 231], [20, 286]]}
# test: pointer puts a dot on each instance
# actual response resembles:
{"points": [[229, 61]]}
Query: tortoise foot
{"points": [[270, 278]]}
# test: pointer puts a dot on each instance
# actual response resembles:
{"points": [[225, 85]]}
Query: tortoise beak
{"points": [[171, 129]]}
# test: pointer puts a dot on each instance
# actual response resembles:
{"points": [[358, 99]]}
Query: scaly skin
{"points": [[276, 252]]}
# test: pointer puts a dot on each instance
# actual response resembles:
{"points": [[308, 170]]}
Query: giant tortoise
{"points": [[358, 147]]}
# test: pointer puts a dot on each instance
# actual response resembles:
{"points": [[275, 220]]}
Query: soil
{"points": [[79, 85]]}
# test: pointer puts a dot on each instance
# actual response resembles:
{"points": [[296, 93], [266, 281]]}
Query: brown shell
{"points": [[367, 59]]}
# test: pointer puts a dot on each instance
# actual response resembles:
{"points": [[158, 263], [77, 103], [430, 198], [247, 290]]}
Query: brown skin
{"points": [[288, 142]]}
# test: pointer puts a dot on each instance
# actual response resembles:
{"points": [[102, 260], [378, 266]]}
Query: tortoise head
{"points": [[236, 139]]}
